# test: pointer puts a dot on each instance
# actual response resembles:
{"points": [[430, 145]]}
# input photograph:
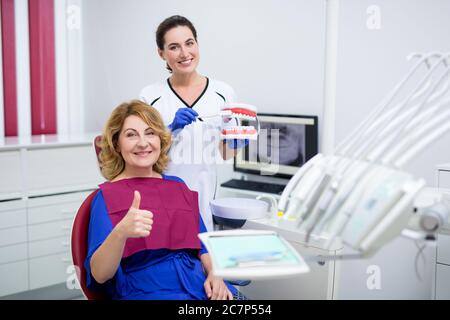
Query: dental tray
{"points": [[252, 255]]}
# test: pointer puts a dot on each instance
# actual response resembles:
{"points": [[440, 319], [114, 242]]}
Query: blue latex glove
{"points": [[237, 143], [183, 117]]}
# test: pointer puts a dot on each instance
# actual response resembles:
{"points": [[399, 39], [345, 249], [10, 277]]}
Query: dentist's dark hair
{"points": [[168, 24]]}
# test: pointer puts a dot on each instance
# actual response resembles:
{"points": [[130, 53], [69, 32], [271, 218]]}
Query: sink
{"points": [[234, 212]]}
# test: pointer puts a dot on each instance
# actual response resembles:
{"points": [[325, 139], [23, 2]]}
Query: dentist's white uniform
{"points": [[194, 152]]}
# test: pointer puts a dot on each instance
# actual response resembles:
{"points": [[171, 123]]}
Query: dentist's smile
{"points": [[186, 62]]}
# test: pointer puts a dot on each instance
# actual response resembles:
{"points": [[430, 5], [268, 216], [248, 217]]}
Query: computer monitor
{"points": [[284, 144]]}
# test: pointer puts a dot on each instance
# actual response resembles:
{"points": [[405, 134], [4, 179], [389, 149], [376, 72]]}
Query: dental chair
{"points": [[79, 248], [79, 241]]}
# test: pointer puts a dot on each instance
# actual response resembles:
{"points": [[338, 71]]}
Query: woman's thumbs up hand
{"points": [[137, 223]]}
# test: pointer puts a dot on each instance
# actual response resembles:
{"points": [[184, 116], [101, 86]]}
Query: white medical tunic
{"points": [[194, 153]]}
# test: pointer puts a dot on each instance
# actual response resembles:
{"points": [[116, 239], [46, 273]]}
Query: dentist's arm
{"points": [[136, 224]]}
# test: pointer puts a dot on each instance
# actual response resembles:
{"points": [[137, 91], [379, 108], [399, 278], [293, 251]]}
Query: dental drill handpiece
{"points": [[292, 185], [325, 203], [298, 207], [339, 228], [296, 211], [309, 205], [350, 143], [294, 205], [346, 208], [338, 194]]}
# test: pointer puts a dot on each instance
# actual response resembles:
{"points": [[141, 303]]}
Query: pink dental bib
{"points": [[174, 207]]}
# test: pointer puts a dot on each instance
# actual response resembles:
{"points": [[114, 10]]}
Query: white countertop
{"points": [[46, 141]]}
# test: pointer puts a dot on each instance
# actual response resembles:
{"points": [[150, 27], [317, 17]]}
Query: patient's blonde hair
{"points": [[112, 162]]}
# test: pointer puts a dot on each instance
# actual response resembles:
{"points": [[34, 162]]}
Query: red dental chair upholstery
{"points": [[79, 246], [79, 239]]}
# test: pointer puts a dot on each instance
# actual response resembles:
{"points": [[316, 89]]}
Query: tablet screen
{"points": [[251, 251]]}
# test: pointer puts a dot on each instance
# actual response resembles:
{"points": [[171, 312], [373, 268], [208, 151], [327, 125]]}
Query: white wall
{"points": [[371, 62], [270, 51]]}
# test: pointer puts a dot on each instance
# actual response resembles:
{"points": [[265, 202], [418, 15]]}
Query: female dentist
{"points": [[183, 99]]}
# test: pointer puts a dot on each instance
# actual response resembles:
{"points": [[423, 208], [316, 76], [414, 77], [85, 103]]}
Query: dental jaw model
{"points": [[232, 115], [359, 195]]}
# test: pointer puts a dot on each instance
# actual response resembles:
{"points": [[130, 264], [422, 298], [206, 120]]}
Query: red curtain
{"points": [[42, 66], [9, 68]]}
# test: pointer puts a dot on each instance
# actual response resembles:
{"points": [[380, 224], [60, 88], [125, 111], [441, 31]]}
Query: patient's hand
{"points": [[216, 289], [137, 223]]}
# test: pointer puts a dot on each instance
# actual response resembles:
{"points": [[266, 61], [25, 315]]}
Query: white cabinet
{"points": [[11, 179], [443, 285], [60, 170], [12, 236], [49, 270], [14, 253], [13, 214], [442, 272], [442, 276], [13, 277], [444, 179], [48, 247], [42, 186], [443, 249]]}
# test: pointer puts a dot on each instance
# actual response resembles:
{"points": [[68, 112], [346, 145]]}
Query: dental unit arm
{"points": [[360, 196]]}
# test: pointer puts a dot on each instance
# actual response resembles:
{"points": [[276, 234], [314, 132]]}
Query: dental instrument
{"points": [[360, 194]]}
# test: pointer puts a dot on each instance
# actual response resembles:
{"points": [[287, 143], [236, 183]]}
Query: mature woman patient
{"points": [[142, 240]]}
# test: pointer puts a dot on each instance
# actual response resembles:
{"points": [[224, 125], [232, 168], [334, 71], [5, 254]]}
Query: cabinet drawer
{"points": [[442, 282], [13, 253], [50, 230], [444, 179], [52, 208], [13, 236], [49, 247], [13, 278], [61, 169], [13, 214], [50, 270], [11, 181], [443, 249]]}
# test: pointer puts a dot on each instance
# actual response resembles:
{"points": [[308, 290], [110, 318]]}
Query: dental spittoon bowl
{"points": [[234, 212]]}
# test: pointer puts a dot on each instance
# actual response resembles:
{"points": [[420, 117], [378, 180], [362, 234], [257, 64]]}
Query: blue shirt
{"points": [[161, 274]]}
